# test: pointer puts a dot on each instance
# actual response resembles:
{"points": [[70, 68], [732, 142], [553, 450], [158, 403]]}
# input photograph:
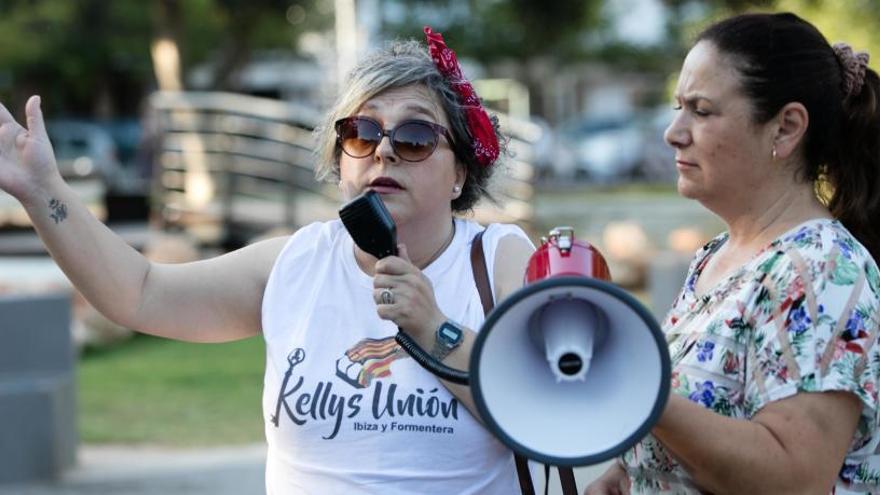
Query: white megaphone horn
{"points": [[569, 370]]}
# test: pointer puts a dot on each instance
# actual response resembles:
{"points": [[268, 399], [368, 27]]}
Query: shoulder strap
{"points": [[481, 277], [566, 478]]}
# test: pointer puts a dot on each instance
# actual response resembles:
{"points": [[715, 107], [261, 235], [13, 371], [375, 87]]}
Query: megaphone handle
{"points": [[428, 361]]}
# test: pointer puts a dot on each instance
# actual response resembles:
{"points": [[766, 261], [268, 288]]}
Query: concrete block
{"points": [[38, 434], [35, 334]]}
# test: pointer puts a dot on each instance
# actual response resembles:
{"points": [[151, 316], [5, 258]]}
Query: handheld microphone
{"points": [[370, 225]]}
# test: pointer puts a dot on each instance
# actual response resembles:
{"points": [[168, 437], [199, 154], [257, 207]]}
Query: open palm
{"points": [[27, 162]]}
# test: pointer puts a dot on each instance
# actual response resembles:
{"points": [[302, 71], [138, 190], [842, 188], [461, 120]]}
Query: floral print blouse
{"points": [[801, 316]]}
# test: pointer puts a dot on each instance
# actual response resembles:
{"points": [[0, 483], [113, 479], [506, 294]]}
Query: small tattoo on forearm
{"points": [[59, 210]]}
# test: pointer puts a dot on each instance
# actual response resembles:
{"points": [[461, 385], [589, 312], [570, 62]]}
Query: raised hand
{"points": [[27, 162]]}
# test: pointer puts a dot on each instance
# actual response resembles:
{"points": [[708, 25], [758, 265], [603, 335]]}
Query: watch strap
{"points": [[440, 351]]}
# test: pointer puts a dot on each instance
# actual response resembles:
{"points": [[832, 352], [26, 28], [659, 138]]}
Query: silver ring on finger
{"points": [[387, 296]]}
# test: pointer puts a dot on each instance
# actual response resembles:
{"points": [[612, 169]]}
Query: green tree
{"points": [[488, 30], [82, 53], [535, 38], [853, 21], [93, 56], [249, 25]]}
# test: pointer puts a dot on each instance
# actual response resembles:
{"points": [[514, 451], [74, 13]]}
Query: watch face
{"points": [[449, 334]]}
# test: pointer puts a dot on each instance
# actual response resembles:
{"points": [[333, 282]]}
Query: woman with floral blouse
{"points": [[773, 337]]}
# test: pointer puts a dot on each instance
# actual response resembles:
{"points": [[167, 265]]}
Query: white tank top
{"points": [[346, 410]]}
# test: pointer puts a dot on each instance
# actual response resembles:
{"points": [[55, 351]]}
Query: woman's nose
{"points": [[677, 135], [384, 151]]}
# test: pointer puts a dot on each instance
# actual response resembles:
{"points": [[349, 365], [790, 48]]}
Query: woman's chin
{"points": [[686, 188]]}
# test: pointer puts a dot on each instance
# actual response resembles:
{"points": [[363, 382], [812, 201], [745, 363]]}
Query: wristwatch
{"points": [[448, 336]]}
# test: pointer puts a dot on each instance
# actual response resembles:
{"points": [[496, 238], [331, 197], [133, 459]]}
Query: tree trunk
{"points": [[165, 49]]}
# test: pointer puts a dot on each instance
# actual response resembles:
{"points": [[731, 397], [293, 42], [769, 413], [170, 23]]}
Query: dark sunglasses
{"points": [[411, 140]]}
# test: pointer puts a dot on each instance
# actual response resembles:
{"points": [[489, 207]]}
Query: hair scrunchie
{"points": [[854, 66]]}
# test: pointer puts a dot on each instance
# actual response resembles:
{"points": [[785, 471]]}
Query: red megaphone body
{"points": [[561, 254]]}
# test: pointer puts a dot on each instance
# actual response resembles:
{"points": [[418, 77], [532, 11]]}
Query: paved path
{"points": [[105, 470]]}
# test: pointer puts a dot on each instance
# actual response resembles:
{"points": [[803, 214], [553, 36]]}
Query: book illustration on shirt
{"points": [[367, 360]]}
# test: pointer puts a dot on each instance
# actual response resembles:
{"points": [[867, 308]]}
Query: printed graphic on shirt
{"points": [[368, 359], [372, 404]]}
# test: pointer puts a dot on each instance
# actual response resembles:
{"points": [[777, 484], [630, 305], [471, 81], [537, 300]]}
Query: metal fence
{"points": [[230, 167]]}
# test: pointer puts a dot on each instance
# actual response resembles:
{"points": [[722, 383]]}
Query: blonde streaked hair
{"points": [[400, 64]]}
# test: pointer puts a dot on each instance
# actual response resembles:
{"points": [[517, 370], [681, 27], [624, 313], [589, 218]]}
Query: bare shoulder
{"points": [[513, 245], [511, 257]]}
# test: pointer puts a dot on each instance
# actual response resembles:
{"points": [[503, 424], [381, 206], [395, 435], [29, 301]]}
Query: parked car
{"points": [[617, 149], [657, 163], [84, 151], [602, 150], [135, 167], [87, 149]]}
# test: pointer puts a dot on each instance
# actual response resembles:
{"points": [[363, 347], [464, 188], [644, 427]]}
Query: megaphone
{"points": [[570, 370]]}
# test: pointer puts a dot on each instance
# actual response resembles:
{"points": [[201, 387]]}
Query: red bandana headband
{"points": [[478, 122]]}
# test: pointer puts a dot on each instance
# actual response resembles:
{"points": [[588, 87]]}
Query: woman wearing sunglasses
{"points": [[345, 409]]}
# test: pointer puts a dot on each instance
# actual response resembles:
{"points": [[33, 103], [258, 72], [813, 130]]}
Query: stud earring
{"points": [[773, 153], [456, 188]]}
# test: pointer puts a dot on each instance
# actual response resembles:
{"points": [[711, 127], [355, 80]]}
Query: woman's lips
{"points": [[685, 165], [385, 185]]}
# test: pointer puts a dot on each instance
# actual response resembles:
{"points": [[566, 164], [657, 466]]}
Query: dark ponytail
{"points": [[855, 174], [783, 59]]}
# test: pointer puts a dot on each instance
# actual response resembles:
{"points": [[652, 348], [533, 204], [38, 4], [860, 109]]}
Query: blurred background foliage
{"points": [[93, 56]]}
